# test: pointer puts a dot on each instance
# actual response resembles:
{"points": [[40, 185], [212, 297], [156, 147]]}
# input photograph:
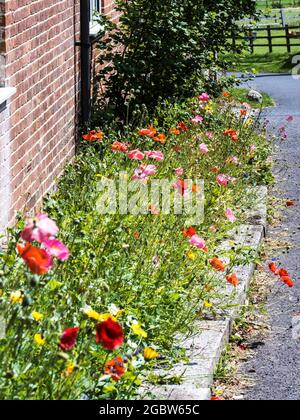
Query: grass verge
{"points": [[151, 274]]}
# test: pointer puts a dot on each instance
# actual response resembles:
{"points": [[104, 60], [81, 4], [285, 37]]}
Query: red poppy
{"points": [[274, 269], [37, 260], [283, 273], [215, 398], [110, 334], [68, 339], [188, 233], [233, 279], [183, 126], [290, 203], [217, 264], [288, 281], [150, 132], [93, 135], [115, 368]]}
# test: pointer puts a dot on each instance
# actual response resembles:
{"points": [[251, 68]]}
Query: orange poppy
{"points": [[161, 138], [177, 149], [217, 264], [195, 188], [174, 131], [93, 135], [136, 235], [243, 112], [233, 279], [117, 146], [37, 260], [215, 170], [225, 94], [233, 134]]}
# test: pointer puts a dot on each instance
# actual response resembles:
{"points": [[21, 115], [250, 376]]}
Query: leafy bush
{"points": [[141, 271], [161, 49]]}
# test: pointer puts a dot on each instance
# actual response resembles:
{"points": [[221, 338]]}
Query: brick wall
{"points": [[38, 128]]}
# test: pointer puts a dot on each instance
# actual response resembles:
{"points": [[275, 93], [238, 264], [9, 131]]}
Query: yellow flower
{"points": [[208, 109], [16, 297], [39, 339], [208, 304], [37, 316], [248, 123], [150, 354], [137, 329], [70, 368], [192, 255], [96, 316]]}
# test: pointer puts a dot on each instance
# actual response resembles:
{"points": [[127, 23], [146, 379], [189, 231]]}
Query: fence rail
{"points": [[251, 35], [274, 18]]}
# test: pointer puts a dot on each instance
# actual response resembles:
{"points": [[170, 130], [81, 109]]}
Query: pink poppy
{"points": [[209, 135], [144, 171], [204, 97], [253, 148], [230, 215], [222, 180], [197, 120], [245, 105], [57, 249], [198, 242], [232, 179], [136, 155], [157, 155], [203, 148], [233, 159], [39, 229], [290, 118], [179, 171]]}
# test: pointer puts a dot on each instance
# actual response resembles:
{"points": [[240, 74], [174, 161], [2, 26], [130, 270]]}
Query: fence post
{"points": [[233, 39], [288, 39], [251, 39], [270, 39]]}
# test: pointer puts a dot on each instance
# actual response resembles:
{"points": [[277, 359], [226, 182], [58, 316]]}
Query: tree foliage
{"points": [[160, 48]]}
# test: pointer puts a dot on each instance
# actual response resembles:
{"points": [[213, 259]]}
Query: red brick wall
{"points": [[39, 125]]}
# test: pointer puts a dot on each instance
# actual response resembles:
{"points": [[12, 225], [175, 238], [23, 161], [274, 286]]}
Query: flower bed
{"points": [[90, 318]]}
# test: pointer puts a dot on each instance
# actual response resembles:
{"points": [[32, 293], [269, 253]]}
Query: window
{"points": [[95, 6]]}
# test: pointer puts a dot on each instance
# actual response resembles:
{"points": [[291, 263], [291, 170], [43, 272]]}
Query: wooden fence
{"points": [[252, 35], [275, 18]]}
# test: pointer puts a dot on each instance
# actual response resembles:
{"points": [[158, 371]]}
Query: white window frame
{"points": [[95, 6]]}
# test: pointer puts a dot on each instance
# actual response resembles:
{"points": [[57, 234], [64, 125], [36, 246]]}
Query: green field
{"points": [[277, 4], [262, 61]]}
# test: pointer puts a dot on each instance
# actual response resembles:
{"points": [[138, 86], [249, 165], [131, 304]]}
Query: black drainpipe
{"points": [[85, 61]]}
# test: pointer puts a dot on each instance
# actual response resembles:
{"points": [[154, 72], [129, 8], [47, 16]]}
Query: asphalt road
{"points": [[276, 365]]}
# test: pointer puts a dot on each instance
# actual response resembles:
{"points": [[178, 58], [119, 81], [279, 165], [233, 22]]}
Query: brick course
{"points": [[39, 58]]}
